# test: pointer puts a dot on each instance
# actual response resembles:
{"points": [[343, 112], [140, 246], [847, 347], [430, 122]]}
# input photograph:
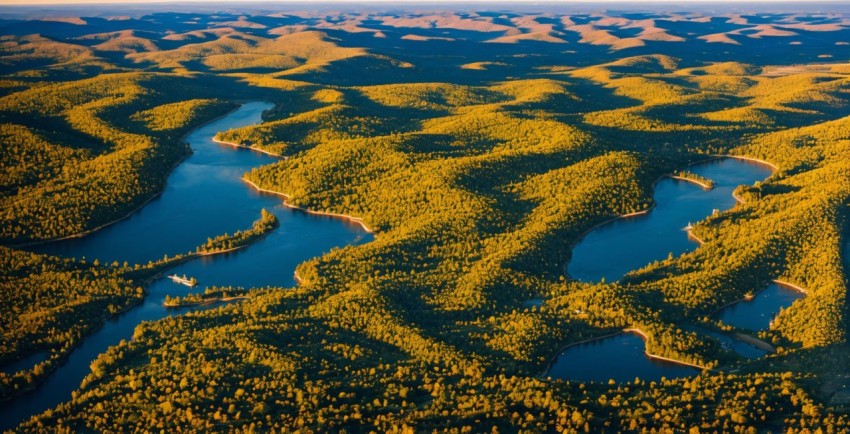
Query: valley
{"points": [[424, 219]]}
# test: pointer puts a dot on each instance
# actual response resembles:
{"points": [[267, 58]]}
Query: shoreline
{"points": [[188, 154], [632, 330], [357, 220], [712, 157], [251, 148], [195, 255], [232, 249], [693, 237], [754, 341], [692, 181], [791, 286], [62, 358], [240, 247], [751, 159], [690, 235], [645, 338], [109, 223], [568, 346], [737, 198], [742, 337], [755, 294], [205, 302]]}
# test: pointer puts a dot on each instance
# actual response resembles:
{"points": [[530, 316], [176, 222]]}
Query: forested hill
{"points": [[480, 146]]}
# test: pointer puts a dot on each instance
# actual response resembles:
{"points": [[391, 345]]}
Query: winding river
{"points": [[611, 250], [615, 248], [204, 197]]}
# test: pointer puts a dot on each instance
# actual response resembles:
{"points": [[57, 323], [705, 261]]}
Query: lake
{"points": [[204, 197], [620, 246]]}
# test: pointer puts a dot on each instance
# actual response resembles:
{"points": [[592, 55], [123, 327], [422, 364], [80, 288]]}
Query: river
{"points": [[611, 250], [204, 197]]}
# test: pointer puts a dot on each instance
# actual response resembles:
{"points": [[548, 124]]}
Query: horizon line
{"points": [[683, 3]]}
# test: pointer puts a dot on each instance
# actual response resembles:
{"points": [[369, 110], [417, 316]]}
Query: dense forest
{"points": [[477, 178], [53, 303], [50, 305]]}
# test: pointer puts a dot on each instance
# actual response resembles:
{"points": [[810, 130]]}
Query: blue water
{"points": [[846, 255], [728, 343], [616, 248], [24, 364], [204, 197], [620, 357], [756, 314]]}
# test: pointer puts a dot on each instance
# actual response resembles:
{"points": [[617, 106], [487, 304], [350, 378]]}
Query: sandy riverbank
{"points": [[636, 331], [692, 181], [645, 338], [206, 301], [286, 203], [653, 204], [237, 145]]}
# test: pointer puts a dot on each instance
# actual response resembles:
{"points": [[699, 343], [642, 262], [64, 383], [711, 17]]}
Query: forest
{"points": [[477, 181], [265, 224]]}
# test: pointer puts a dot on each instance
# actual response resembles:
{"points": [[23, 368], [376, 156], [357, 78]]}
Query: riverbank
{"points": [[632, 330], [692, 181], [237, 145], [284, 195], [204, 302], [112, 222], [267, 223], [653, 204], [194, 255], [568, 346], [750, 297], [55, 363], [186, 155], [756, 342], [645, 338], [286, 203], [791, 285], [751, 159], [691, 235]]}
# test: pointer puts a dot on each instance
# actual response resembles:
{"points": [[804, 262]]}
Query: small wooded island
{"points": [[226, 243], [689, 176], [210, 295]]}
